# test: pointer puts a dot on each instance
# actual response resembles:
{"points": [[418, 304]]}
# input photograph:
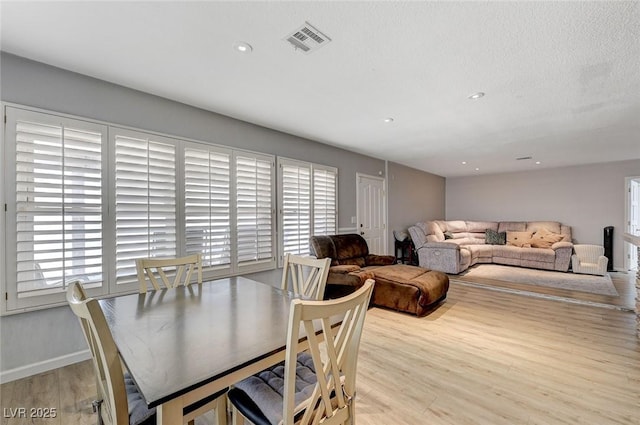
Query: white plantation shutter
{"points": [[145, 199], [207, 212], [325, 200], [307, 202], [254, 209], [58, 205], [295, 206]]}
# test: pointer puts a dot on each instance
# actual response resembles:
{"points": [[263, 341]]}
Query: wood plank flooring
{"points": [[483, 357]]}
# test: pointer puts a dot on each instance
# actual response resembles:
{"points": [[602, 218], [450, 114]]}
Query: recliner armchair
{"points": [[349, 261], [401, 287], [589, 259]]}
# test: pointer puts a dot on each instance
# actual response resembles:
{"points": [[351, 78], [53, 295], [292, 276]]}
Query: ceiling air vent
{"points": [[307, 39]]}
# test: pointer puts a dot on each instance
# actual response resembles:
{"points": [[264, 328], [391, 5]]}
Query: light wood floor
{"points": [[483, 357]]}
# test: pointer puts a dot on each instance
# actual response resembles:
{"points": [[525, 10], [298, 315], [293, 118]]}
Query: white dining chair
{"points": [[309, 387], [155, 269], [305, 276]]}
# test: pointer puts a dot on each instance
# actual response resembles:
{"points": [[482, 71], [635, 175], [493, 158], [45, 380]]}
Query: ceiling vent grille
{"points": [[307, 39]]}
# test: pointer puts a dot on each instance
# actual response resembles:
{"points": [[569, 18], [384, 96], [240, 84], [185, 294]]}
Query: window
{"points": [[325, 196], [145, 200], [255, 212], [295, 209], [84, 200], [307, 204], [55, 208], [207, 180]]}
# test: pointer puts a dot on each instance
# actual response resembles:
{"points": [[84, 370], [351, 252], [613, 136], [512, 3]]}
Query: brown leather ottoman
{"points": [[408, 288]]}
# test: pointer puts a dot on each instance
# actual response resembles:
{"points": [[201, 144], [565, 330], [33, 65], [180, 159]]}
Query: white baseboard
{"points": [[44, 366]]}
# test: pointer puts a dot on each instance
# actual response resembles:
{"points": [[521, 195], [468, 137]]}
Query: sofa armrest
{"points": [[440, 256], [442, 245], [379, 260], [602, 262], [563, 251], [561, 244], [417, 236], [348, 275]]}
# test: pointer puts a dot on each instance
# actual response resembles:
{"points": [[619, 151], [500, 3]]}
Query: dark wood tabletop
{"points": [[176, 341]]}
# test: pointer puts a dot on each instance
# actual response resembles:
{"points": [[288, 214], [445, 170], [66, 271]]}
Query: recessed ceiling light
{"points": [[243, 47], [537, 162], [477, 169], [464, 162], [476, 95], [388, 119]]}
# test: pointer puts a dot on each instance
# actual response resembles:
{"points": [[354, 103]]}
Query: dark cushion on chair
{"points": [[260, 397], [138, 412]]}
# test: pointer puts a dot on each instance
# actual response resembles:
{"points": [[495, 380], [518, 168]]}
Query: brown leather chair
{"points": [[398, 286], [350, 260]]}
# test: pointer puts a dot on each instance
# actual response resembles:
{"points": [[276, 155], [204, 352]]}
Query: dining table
{"points": [[183, 344]]}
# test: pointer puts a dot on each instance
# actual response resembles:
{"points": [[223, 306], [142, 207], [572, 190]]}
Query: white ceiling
{"points": [[562, 79]]}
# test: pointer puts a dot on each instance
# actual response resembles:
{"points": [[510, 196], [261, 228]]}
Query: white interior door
{"points": [[372, 222]]}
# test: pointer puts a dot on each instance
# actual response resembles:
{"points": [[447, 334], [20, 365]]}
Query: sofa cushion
{"points": [[519, 239], [480, 251], [349, 247], [506, 251], [456, 226], [323, 247], [512, 226], [481, 226], [539, 255], [432, 228], [344, 269], [565, 231], [493, 237], [544, 238]]}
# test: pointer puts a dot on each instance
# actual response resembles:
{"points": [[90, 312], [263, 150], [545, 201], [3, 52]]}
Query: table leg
{"points": [[169, 413]]}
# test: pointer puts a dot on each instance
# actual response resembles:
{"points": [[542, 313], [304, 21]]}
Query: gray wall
{"points": [[35, 337], [38, 85], [587, 197], [414, 196]]}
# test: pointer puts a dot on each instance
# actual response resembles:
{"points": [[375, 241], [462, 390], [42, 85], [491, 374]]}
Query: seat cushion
{"points": [[138, 412], [409, 288], [260, 397]]}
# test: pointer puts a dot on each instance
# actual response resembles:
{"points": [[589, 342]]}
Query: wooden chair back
{"points": [[106, 360], [333, 398], [156, 269], [305, 276]]}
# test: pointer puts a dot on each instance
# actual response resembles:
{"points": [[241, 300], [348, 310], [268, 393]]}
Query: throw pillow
{"points": [[544, 238], [520, 239], [491, 237], [448, 235]]}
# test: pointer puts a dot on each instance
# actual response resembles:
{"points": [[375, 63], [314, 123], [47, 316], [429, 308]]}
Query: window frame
{"points": [[13, 114]]}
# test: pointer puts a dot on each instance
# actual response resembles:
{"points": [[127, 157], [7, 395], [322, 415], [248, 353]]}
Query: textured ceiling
{"points": [[562, 79]]}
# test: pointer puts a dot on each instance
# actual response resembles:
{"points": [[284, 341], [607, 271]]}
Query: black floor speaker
{"points": [[608, 246]]}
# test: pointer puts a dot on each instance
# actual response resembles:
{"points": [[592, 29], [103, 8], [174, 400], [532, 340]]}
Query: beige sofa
{"points": [[453, 246]]}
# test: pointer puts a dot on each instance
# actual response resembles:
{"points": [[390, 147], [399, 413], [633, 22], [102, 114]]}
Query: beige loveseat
{"points": [[453, 246]]}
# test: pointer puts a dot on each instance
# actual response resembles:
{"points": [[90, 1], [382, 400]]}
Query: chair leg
{"points": [[221, 410], [237, 417], [97, 408]]}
